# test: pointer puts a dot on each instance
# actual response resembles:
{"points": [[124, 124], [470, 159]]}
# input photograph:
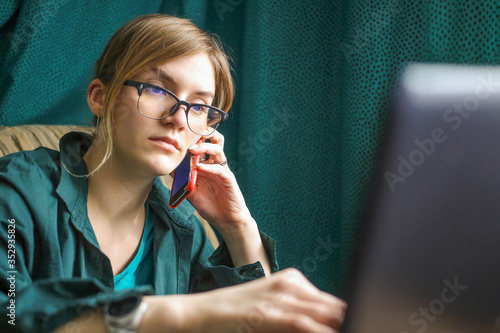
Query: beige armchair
{"points": [[29, 137]]}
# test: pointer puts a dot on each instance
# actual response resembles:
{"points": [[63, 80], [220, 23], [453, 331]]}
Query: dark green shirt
{"points": [[51, 267]]}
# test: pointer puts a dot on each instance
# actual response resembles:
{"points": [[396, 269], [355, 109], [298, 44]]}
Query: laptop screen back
{"points": [[430, 252]]}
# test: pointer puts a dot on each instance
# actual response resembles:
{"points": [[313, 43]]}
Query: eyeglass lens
{"points": [[158, 104]]}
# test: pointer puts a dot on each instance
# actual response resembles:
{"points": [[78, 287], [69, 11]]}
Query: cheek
{"points": [[127, 126], [123, 110], [191, 138]]}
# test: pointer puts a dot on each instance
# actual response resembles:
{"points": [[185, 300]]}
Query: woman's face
{"points": [[156, 147]]}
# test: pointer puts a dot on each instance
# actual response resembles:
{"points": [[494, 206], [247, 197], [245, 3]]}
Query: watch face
{"points": [[124, 306]]}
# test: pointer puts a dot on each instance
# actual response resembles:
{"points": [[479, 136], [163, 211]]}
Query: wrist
{"points": [[245, 246], [180, 314], [164, 314], [239, 230]]}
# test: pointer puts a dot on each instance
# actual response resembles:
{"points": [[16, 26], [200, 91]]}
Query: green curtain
{"points": [[313, 83]]}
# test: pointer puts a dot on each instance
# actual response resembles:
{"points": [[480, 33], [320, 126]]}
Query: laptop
{"points": [[429, 259]]}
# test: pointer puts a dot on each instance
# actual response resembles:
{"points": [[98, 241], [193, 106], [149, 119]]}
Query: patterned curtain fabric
{"points": [[313, 84]]}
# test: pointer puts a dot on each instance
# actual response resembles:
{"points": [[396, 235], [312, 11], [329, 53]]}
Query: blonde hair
{"points": [[147, 42]]}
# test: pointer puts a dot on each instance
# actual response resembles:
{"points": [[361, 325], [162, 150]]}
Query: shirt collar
{"points": [[181, 215], [73, 184]]}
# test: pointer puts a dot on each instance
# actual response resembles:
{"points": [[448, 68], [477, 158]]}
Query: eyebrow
{"points": [[165, 76]]}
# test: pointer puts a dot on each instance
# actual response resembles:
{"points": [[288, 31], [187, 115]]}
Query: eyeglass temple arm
{"points": [[225, 115]]}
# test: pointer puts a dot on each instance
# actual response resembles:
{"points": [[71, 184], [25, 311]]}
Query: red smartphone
{"points": [[184, 178]]}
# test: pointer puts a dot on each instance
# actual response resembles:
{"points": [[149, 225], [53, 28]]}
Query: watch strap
{"points": [[128, 323]]}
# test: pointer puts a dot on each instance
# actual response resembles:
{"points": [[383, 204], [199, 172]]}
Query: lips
{"points": [[166, 142]]}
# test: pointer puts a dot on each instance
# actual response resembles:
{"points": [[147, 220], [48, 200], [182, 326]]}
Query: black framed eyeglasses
{"points": [[157, 103]]}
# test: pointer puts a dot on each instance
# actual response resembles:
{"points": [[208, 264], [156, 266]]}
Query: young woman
{"points": [[97, 249]]}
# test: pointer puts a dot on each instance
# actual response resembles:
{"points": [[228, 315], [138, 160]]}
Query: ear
{"points": [[95, 97]]}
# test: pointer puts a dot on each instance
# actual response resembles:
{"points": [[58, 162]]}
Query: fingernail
{"points": [[193, 147]]}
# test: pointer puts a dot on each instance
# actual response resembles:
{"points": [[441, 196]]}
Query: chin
{"points": [[158, 172], [162, 167]]}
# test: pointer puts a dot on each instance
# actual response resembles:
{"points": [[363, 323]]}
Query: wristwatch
{"points": [[125, 315]]}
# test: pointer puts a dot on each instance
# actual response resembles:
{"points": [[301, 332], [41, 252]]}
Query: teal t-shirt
{"points": [[140, 270]]}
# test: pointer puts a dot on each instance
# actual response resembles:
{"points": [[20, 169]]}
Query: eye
{"points": [[155, 91], [198, 108]]}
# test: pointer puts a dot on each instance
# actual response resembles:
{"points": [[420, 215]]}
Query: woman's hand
{"points": [[218, 199], [286, 302], [217, 196]]}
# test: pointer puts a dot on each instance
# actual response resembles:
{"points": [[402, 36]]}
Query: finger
{"points": [[327, 315], [216, 152], [297, 323], [293, 281], [211, 161], [214, 169], [216, 137]]}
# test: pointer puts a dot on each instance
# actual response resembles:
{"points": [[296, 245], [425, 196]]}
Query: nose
{"points": [[178, 117]]}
